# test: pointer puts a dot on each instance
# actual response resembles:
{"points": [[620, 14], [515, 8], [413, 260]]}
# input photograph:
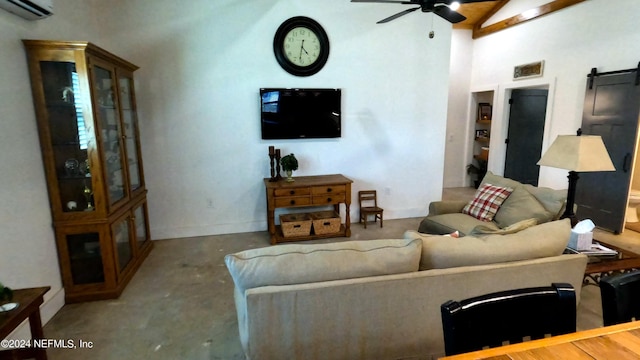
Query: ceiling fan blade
{"points": [[448, 14], [393, 17]]}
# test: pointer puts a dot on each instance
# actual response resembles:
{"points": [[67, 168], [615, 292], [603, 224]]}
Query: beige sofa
{"points": [[380, 299], [525, 202]]}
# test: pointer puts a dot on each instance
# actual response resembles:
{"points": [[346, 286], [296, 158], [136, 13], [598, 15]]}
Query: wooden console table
{"points": [[29, 301], [308, 191]]}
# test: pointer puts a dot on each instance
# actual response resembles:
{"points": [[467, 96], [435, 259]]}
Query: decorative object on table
{"points": [[301, 46], [582, 235], [6, 295], [577, 153], [289, 165], [272, 156], [278, 176]]}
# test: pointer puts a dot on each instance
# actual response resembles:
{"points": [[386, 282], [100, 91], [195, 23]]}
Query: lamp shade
{"points": [[585, 153]]}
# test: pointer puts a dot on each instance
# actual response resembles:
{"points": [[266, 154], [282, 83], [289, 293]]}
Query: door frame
{"points": [[500, 124]]}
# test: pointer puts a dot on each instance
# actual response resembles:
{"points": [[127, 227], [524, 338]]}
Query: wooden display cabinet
{"points": [[85, 107]]}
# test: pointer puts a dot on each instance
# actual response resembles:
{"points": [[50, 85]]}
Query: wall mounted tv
{"points": [[300, 113]]}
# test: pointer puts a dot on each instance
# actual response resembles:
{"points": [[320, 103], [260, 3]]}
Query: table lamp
{"points": [[576, 153]]}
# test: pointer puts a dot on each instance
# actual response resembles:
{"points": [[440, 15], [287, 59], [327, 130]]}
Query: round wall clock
{"points": [[301, 46]]}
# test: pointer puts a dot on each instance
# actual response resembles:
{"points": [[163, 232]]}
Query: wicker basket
{"points": [[295, 225], [325, 222]]}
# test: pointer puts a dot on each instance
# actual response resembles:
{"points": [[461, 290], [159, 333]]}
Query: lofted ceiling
{"points": [[478, 13]]}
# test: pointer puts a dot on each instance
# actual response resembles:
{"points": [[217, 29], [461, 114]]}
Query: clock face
{"points": [[301, 46]]}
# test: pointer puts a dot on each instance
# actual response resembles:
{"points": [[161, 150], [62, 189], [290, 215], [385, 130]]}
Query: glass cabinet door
{"points": [[85, 258], [69, 135], [130, 125], [140, 223], [109, 126], [122, 243]]}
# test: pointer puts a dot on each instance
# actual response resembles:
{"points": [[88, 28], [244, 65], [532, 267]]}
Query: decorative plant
{"points": [[5, 293], [289, 162]]}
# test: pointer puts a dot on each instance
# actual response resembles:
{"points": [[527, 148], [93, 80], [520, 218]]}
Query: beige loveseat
{"points": [[526, 202], [380, 299]]}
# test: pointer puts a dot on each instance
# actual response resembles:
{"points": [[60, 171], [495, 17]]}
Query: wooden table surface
{"points": [[29, 301], [618, 342]]}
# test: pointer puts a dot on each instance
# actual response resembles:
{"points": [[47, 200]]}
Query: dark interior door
{"points": [[611, 108], [524, 137]]}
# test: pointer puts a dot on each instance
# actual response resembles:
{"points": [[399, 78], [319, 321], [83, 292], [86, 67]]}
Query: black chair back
{"points": [[508, 317], [620, 298]]}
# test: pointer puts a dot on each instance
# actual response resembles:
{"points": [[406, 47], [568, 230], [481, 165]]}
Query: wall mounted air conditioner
{"points": [[28, 9]]}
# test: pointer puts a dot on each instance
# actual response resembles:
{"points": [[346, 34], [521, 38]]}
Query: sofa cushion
{"points": [[482, 230], [552, 200], [297, 264], [544, 240], [521, 205], [448, 223], [497, 180], [487, 201]]}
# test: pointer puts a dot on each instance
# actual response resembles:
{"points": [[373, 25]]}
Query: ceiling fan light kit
{"points": [[446, 9]]}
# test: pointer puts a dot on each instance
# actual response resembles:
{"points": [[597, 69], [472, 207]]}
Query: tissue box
{"points": [[581, 241]]}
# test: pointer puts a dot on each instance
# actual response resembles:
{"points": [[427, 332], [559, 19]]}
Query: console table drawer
{"points": [[292, 201], [328, 199], [293, 192], [329, 189]]}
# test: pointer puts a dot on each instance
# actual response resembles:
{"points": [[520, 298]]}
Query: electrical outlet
{"points": [[210, 203]]}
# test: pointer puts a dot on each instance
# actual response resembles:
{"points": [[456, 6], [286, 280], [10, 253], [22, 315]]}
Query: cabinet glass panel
{"points": [[141, 225], [110, 133], [130, 128], [85, 258], [121, 240], [69, 137]]}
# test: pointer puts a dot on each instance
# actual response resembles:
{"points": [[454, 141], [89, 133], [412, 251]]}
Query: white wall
{"points": [[27, 246], [571, 42], [458, 111], [202, 64]]}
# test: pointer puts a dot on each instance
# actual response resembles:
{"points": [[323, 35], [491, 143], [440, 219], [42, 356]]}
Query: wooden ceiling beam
{"points": [[479, 31]]}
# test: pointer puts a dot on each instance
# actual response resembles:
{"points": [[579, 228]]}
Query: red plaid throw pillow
{"points": [[487, 201]]}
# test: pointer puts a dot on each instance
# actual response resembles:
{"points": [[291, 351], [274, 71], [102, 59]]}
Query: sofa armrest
{"points": [[446, 207]]}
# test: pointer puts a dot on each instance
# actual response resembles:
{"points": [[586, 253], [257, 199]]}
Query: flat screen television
{"points": [[300, 113]]}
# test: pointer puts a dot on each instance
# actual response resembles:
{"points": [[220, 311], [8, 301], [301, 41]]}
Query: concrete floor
{"points": [[179, 305]]}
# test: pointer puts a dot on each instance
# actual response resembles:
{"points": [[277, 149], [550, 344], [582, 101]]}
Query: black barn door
{"points": [[611, 108], [526, 130]]}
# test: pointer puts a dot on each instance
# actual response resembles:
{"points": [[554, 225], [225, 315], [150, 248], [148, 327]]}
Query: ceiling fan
{"points": [[438, 7]]}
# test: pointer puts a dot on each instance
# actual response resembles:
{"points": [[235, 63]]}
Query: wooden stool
{"points": [[370, 200]]}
